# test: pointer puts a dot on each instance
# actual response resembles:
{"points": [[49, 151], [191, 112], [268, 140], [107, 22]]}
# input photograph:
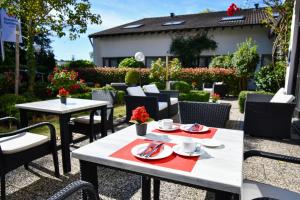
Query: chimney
{"points": [[256, 5], [172, 15]]}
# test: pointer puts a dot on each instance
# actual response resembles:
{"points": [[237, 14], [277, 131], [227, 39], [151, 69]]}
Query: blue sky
{"points": [[117, 12]]}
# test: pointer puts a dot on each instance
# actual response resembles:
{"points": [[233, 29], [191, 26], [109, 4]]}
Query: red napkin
{"points": [[174, 161]]}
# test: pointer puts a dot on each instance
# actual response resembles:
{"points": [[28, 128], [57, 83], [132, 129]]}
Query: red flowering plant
{"points": [[215, 97], [232, 9], [63, 92], [67, 79], [140, 116]]}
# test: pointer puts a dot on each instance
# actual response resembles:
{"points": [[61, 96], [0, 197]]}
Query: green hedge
{"points": [[182, 87], [8, 101], [108, 75], [243, 95], [195, 95]]}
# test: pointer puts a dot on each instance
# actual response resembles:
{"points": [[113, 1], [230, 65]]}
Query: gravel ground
{"points": [[39, 183]]}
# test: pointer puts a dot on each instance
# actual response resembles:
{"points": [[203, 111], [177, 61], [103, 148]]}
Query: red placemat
{"points": [[209, 134], [174, 161]]}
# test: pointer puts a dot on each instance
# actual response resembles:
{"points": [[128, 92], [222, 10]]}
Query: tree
{"points": [[50, 16], [245, 60], [189, 48], [280, 25]]}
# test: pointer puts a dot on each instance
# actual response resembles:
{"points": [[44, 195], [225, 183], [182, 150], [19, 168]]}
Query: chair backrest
{"points": [[136, 91], [151, 88], [105, 95], [209, 114]]}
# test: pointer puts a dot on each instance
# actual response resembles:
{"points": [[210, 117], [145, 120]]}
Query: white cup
{"points": [[166, 123], [189, 145]]}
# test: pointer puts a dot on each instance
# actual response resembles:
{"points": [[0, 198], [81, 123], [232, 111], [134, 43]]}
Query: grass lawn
{"points": [[119, 111]]}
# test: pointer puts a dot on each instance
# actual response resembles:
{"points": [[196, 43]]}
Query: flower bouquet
{"points": [[140, 118], [63, 94], [215, 97]]}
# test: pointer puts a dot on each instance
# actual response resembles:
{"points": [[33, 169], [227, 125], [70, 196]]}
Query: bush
{"points": [[195, 95], [182, 87], [120, 97], [132, 77], [131, 63], [7, 81], [243, 95], [270, 78], [108, 87], [7, 102], [86, 95], [160, 85], [80, 64], [224, 61], [40, 90], [158, 70]]}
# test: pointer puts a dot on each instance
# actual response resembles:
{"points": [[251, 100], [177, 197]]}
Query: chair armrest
{"points": [[173, 93], [259, 97], [49, 125], [273, 156], [160, 96], [13, 119], [75, 187]]}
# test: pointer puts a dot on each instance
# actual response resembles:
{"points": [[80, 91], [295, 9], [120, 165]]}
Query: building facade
{"points": [[153, 37]]}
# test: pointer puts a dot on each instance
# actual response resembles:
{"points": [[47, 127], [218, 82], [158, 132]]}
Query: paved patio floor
{"points": [[39, 182]]}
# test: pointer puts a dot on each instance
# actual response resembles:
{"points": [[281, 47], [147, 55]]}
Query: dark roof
{"points": [[192, 21]]}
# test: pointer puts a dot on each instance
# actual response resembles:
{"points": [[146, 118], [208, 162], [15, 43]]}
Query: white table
{"points": [[64, 112], [219, 169]]}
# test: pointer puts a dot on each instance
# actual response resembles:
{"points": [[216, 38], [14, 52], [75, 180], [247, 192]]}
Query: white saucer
{"points": [[164, 152], [187, 126], [174, 128], [211, 143], [179, 150]]}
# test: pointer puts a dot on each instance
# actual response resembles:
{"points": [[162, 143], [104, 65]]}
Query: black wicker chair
{"points": [[169, 96], [120, 86], [221, 89], [82, 124], [20, 147], [266, 119], [209, 114], [87, 188], [256, 190]]}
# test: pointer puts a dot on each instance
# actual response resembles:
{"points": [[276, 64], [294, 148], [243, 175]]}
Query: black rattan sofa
{"points": [[267, 119], [20, 147]]}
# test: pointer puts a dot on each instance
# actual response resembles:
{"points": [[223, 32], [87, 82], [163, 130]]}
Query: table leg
{"points": [[89, 173], [146, 188], [23, 118], [103, 121], [156, 188], [65, 141]]}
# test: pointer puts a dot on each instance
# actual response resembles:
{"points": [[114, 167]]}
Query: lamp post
{"points": [[139, 56], [168, 74]]}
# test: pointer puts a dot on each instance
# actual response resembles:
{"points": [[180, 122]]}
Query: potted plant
{"points": [[63, 94], [215, 97], [140, 118]]}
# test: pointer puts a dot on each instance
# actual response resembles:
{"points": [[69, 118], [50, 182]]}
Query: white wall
{"points": [[158, 44]]}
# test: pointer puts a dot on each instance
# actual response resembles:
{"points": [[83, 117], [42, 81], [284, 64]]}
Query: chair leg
{"points": [[55, 161], [3, 187], [26, 166]]}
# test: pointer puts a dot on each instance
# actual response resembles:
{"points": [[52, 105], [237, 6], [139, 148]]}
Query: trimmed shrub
{"points": [[132, 77], [195, 95], [80, 64], [270, 78], [7, 102], [182, 87], [131, 63], [160, 85], [243, 95]]}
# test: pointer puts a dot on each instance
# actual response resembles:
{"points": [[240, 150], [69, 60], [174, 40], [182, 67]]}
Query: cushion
{"points": [[151, 88], [162, 105], [252, 190], [210, 90], [173, 101], [136, 91], [218, 83], [86, 119], [21, 142], [282, 97]]}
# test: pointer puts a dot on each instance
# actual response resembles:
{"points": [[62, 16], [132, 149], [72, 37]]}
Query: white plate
{"points": [[179, 150], [211, 143], [174, 128], [187, 126], [165, 151]]}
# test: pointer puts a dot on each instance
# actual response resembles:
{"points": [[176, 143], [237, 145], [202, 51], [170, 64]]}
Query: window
{"points": [[112, 62], [133, 26], [204, 61], [233, 18], [173, 23]]}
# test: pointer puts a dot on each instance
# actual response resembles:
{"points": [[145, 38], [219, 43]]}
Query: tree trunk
{"points": [[30, 59]]}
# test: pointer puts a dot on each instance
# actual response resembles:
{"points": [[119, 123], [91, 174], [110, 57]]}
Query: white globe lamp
{"points": [[139, 56]]}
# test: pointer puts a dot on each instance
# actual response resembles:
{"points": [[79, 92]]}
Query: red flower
{"points": [[63, 92], [140, 115], [232, 9]]}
